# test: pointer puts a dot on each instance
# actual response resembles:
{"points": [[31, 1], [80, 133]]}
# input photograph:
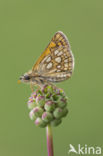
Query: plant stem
{"points": [[49, 140]]}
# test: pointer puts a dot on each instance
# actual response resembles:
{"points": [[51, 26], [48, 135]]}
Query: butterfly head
{"points": [[25, 78]]}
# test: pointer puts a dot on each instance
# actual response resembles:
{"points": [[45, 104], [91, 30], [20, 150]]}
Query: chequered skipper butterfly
{"points": [[54, 65]]}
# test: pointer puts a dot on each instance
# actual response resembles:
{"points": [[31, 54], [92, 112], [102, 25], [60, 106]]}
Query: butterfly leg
{"points": [[49, 83], [34, 84], [32, 87]]}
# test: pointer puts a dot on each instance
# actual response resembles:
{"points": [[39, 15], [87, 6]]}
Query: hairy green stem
{"points": [[49, 140]]}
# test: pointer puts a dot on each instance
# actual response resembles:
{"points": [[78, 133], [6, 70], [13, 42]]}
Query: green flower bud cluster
{"points": [[48, 105]]}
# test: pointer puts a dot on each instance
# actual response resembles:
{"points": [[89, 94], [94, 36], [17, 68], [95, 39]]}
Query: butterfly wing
{"points": [[56, 62]]}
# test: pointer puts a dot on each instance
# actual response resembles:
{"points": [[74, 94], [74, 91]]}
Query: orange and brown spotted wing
{"points": [[56, 62]]}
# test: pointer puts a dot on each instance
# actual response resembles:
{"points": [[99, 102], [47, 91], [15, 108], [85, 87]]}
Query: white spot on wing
{"points": [[61, 75], [49, 65], [69, 75], [58, 71], [58, 59], [56, 52], [66, 65], [66, 60], [65, 68], [58, 66], [48, 59], [60, 53]]}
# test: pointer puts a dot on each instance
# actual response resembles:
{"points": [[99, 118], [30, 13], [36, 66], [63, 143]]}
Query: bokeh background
{"points": [[26, 27]]}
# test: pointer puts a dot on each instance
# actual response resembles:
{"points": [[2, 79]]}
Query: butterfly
{"points": [[55, 64]]}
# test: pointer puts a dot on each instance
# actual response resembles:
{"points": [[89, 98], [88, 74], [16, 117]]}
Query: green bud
{"points": [[49, 106], [57, 90], [58, 112], [31, 105], [40, 100], [55, 97], [62, 102], [33, 95], [62, 93], [44, 89], [65, 112], [47, 117], [48, 95], [50, 89], [32, 115], [39, 122], [40, 92], [56, 122], [38, 111]]}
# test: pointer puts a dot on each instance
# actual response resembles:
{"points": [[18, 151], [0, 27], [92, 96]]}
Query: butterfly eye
{"points": [[26, 77]]}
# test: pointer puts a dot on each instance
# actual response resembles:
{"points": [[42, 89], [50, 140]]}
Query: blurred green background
{"points": [[26, 28]]}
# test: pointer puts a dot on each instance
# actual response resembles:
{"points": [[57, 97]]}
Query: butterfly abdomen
{"points": [[59, 78]]}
